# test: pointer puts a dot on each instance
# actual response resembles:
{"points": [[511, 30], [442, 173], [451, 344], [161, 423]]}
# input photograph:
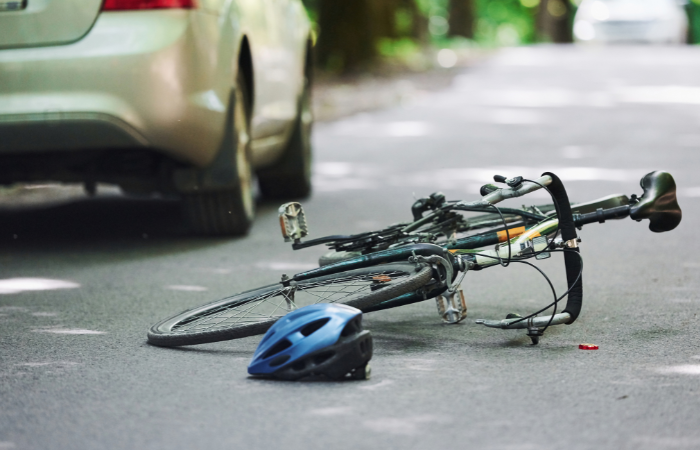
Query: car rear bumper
{"points": [[52, 131], [129, 83]]}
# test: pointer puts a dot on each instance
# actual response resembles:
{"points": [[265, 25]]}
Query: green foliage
{"points": [[421, 23], [311, 8], [402, 48], [694, 16], [505, 22], [498, 22]]}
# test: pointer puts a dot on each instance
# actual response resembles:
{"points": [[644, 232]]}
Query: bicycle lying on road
{"points": [[422, 259]]}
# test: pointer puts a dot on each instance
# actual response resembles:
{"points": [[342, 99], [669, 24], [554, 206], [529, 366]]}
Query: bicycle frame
{"points": [[658, 204]]}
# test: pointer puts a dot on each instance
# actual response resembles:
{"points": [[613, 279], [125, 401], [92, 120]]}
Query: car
{"points": [[189, 98], [633, 21]]}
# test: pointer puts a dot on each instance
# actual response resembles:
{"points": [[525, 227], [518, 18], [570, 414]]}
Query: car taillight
{"points": [[124, 5]]}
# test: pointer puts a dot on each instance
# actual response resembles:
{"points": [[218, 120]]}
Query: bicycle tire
{"points": [[236, 316]]}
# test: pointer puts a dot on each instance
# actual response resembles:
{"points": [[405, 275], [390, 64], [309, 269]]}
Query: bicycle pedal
{"points": [[293, 222], [452, 307]]}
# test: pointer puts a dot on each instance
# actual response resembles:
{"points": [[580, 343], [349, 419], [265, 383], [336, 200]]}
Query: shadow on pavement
{"points": [[103, 223]]}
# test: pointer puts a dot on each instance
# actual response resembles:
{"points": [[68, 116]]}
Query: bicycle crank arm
{"points": [[537, 322]]}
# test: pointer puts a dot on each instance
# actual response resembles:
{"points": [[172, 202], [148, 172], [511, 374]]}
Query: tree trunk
{"points": [[461, 20], [382, 17], [554, 20], [347, 39]]}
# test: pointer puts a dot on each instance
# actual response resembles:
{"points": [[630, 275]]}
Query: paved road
{"points": [[76, 372]]}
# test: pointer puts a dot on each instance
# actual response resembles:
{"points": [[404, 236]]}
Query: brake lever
{"points": [[534, 325]]}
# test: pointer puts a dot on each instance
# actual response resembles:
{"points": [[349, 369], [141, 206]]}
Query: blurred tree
{"points": [[554, 21], [346, 40], [461, 18], [354, 34], [411, 22], [351, 31], [693, 9]]}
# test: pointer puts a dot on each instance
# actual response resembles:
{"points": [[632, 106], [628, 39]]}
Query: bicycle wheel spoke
{"points": [[277, 303]]}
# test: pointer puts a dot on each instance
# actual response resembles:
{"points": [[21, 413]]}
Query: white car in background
{"points": [[180, 97], [634, 21]]}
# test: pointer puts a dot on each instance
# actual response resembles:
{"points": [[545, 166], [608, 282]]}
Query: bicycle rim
{"points": [[253, 312]]}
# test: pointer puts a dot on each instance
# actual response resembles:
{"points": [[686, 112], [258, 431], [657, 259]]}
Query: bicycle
{"points": [[421, 259]]}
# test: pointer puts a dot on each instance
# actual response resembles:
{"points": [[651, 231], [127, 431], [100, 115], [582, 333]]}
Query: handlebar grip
{"points": [[601, 215], [571, 261], [487, 189]]}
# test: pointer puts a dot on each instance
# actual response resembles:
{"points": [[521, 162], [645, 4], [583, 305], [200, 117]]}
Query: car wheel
{"points": [[230, 211], [290, 177]]}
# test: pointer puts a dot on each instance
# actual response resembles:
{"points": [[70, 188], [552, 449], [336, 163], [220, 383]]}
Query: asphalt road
{"points": [[94, 274]]}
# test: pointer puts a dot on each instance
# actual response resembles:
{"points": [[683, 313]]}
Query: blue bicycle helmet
{"points": [[323, 339]]}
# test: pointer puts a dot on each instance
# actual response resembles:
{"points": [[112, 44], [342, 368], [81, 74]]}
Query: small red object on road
{"points": [[587, 347]]}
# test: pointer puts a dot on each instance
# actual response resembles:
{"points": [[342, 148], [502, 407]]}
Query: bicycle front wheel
{"points": [[253, 312]]}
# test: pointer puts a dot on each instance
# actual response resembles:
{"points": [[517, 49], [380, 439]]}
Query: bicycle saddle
{"points": [[658, 203]]}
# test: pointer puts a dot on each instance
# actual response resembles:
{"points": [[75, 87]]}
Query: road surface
{"points": [[83, 280]]}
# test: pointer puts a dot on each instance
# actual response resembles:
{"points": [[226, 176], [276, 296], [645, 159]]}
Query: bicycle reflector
{"points": [[587, 347], [293, 222], [125, 5]]}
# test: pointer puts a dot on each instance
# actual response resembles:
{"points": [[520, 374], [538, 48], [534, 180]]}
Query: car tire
{"points": [[229, 211], [290, 176]]}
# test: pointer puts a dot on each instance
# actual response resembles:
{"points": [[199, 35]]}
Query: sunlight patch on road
{"points": [[563, 98], [331, 411], [380, 385], [407, 426], [279, 265], [67, 331], [687, 369], [512, 117], [185, 287], [420, 364], [414, 128], [17, 285], [340, 176], [530, 98], [365, 127], [214, 270], [50, 363], [686, 95]]}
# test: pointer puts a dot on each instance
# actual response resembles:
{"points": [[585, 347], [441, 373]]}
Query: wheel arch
{"points": [[245, 64]]}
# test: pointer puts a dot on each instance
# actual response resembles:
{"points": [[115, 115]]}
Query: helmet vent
{"points": [[365, 346], [323, 357], [314, 326], [278, 347], [279, 360], [353, 327]]}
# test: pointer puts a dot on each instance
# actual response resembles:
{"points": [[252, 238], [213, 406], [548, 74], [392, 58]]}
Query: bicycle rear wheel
{"points": [[254, 311]]}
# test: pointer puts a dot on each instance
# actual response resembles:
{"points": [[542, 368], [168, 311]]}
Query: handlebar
{"points": [[511, 192], [601, 215]]}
